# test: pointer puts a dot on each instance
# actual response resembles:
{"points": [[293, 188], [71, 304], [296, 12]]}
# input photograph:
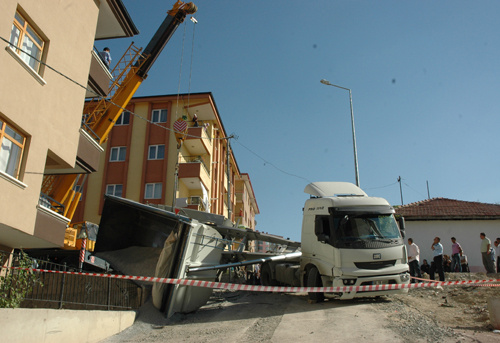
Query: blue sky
{"points": [[424, 76]]}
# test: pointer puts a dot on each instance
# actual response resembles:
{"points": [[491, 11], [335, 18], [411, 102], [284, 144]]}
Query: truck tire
{"points": [[266, 278], [314, 280]]}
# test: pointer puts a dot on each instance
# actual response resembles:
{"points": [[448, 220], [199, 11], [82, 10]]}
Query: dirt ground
{"points": [[444, 314], [461, 310]]}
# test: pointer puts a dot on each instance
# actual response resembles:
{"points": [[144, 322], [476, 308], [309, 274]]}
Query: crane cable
{"points": [[193, 19], [180, 69], [136, 115], [182, 62]]}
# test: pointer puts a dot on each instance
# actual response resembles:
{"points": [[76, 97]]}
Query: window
{"points": [[159, 116], [11, 150], [24, 37], [153, 191], [115, 190], [118, 154], [124, 119], [156, 152]]}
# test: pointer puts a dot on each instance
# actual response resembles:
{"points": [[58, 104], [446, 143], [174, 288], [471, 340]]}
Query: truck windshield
{"points": [[366, 227]]}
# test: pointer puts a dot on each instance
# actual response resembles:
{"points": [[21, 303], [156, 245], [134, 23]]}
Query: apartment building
{"points": [[144, 162], [48, 54]]}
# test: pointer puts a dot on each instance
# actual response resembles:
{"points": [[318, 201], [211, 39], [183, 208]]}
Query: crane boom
{"points": [[175, 17], [138, 73]]}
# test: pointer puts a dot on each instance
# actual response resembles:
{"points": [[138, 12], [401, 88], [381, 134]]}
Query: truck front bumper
{"points": [[347, 281]]}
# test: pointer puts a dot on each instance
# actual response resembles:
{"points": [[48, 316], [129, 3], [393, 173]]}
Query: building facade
{"points": [[48, 54], [144, 161], [446, 218]]}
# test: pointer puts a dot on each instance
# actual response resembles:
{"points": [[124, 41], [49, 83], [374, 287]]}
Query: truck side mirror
{"points": [[402, 226]]}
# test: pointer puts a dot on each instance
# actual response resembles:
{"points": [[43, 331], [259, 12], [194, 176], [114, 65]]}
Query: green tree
{"points": [[17, 282]]}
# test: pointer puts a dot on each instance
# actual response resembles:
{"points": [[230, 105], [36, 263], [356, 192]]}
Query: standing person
{"points": [[493, 257], [437, 250], [497, 253], [485, 253], [106, 57], [456, 252], [413, 260]]}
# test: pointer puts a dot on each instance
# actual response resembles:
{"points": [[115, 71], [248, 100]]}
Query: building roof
{"points": [[448, 209]]}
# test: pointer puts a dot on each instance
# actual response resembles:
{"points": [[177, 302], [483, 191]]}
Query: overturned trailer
{"points": [[138, 239]]}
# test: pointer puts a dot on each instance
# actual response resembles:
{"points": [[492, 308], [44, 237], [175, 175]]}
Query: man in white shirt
{"points": [[437, 251], [413, 260]]}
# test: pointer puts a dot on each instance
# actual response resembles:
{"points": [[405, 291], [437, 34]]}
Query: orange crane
{"points": [[100, 115]]}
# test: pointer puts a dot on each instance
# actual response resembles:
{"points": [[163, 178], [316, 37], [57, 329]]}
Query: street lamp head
{"points": [[325, 82]]}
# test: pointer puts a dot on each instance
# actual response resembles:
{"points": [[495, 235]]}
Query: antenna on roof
{"points": [[428, 194]]}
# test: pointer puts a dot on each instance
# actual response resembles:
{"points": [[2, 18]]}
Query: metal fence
{"points": [[67, 291]]}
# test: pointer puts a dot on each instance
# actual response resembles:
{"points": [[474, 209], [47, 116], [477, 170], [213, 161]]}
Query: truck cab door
{"points": [[323, 247]]}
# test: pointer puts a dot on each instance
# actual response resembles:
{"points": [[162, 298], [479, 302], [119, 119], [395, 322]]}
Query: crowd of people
{"points": [[456, 262]]}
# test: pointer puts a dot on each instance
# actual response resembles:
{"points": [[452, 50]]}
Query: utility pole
{"points": [[176, 178], [400, 190], [180, 130], [228, 173]]}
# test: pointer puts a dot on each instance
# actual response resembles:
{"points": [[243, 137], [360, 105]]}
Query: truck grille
{"points": [[375, 264]]}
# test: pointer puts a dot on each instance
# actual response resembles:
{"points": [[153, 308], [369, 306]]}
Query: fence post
{"points": [[62, 287], [109, 294]]}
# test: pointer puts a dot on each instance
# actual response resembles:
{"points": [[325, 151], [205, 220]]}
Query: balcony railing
{"points": [[197, 202], [196, 159], [202, 125], [51, 204]]}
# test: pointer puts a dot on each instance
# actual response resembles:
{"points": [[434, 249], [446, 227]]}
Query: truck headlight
{"points": [[349, 282], [404, 277]]}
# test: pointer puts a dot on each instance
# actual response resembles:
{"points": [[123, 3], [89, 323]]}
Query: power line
{"points": [[389, 185], [414, 189], [98, 96], [266, 162], [48, 66], [271, 164]]}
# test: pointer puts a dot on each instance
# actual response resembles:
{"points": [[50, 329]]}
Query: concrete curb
{"points": [[47, 325], [494, 309]]}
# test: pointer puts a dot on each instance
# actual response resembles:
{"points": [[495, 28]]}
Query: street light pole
{"points": [[356, 170]]}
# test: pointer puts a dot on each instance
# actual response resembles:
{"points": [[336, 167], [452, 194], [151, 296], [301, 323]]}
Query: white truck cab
{"points": [[350, 239]]}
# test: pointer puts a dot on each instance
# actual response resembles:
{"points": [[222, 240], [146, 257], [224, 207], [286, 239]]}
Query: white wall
{"points": [[465, 231]]}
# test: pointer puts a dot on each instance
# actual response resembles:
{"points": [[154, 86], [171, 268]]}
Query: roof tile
{"points": [[443, 208]]}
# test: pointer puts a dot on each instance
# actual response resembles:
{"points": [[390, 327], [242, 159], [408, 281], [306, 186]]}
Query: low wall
{"points": [[54, 326]]}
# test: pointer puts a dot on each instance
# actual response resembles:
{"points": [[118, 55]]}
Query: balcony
{"points": [[89, 152], [87, 158], [198, 141], [50, 227], [240, 197], [193, 173], [196, 203], [99, 77]]}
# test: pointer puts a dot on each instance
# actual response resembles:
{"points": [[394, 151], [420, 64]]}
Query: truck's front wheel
{"points": [[266, 277], [314, 280]]}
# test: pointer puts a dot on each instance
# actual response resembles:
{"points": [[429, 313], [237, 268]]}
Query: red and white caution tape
{"points": [[483, 283], [279, 289]]}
